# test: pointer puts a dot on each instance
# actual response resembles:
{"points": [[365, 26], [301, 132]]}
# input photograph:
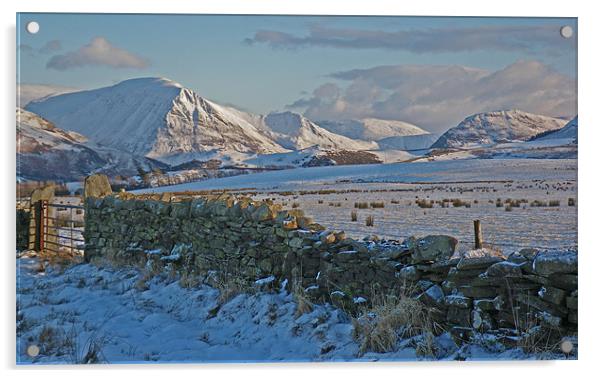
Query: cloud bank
{"points": [[435, 40], [439, 97], [48, 48], [99, 52]]}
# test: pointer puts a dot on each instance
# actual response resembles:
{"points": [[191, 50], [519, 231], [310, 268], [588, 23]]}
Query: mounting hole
{"points": [[566, 346], [33, 350], [33, 27], [566, 32]]}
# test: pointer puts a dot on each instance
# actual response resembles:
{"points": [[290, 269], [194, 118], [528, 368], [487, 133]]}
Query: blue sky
{"points": [[309, 64]]}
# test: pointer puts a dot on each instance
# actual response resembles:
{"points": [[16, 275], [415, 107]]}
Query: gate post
{"points": [[39, 215], [36, 229]]}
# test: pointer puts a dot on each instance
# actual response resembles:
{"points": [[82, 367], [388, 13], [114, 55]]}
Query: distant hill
{"points": [[371, 129], [497, 127]]}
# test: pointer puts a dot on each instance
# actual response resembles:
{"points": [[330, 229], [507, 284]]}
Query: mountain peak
{"points": [[372, 129], [149, 81], [294, 131], [285, 122], [153, 117], [497, 127]]}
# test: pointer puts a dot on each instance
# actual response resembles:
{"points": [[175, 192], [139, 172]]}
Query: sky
{"points": [[432, 72]]}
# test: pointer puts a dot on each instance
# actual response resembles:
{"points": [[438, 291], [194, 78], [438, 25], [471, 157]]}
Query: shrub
{"points": [[425, 204], [457, 202], [390, 319], [508, 207], [538, 203], [571, 202], [554, 203], [377, 205], [295, 205], [304, 304], [353, 216], [229, 286], [361, 205], [370, 220]]}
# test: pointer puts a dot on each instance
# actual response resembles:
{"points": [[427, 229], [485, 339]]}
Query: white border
{"points": [[590, 149]]}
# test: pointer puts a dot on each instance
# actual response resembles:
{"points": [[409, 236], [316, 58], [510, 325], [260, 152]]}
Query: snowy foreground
{"points": [[87, 314]]}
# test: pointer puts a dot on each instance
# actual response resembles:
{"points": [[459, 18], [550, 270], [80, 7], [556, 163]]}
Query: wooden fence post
{"points": [[39, 226], [478, 236]]}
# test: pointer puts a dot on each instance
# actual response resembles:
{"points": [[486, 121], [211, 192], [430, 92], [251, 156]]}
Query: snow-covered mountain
{"points": [[29, 92], [154, 117], [295, 132], [569, 131], [408, 142], [36, 134], [371, 129], [155, 121], [497, 127], [161, 119], [45, 152]]}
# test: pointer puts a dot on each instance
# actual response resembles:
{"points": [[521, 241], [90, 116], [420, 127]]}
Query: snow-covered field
{"points": [[100, 315], [399, 185]]}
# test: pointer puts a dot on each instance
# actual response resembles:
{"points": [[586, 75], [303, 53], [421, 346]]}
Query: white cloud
{"points": [[99, 52], [439, 97]]}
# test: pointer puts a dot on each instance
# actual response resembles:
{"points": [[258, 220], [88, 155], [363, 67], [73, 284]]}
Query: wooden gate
{"points": [[58, 228]]}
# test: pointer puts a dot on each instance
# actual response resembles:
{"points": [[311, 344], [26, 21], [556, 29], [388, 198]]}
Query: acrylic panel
{"points": [[234, 188]]}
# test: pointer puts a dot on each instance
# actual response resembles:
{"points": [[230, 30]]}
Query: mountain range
{"points": [[155, 122]]}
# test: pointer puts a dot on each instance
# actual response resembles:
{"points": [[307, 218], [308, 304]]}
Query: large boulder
{"points": [[97, 185], [45, 193], [432, 248]]}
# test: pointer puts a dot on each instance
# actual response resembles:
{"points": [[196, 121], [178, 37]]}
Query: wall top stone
{"points": [[97, 185]]}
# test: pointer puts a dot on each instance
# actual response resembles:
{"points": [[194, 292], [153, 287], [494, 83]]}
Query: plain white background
{"points": [[590, 183]]}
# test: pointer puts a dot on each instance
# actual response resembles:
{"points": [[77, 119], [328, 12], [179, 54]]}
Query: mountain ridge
{"points": [[45, 151]]}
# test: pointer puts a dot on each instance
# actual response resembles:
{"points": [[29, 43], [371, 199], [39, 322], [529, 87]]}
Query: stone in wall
{"points": [[431, 248], [97, 185]]}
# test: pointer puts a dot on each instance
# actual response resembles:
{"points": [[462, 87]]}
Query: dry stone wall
{"points": [[260, 243]]}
